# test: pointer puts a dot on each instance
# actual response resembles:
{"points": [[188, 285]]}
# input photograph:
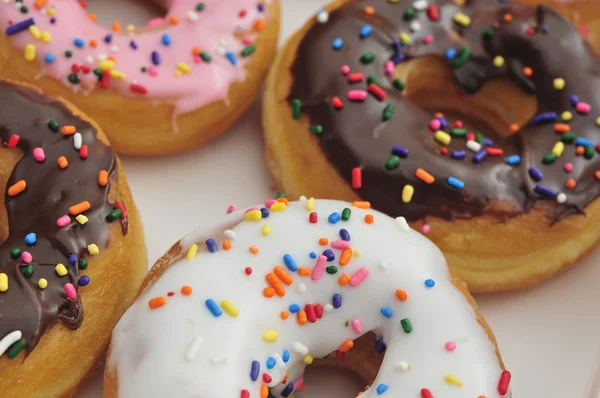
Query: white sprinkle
{"points": [[9, 340], [301, 288], [299, 349], [194, 348], [222, 50], [420, 5], [402, 224], [102, 57], [322, 16], [114, 49], [218, 359], [401, 366], [303, 199], [328, 307], [473, 145], [192, 16], [415, 26], [223, 42], [89, 59], [383, 264], [77, 140], [229, 234], [561, 198]]}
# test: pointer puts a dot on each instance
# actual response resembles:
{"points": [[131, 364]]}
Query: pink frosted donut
{"points": [[159, 89]]}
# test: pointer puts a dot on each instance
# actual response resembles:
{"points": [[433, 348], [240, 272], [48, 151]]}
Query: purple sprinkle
{"points": [[329, 254], [336, 301], [108, 38], [379, 346], [443, 122], [397, 45], [488, 142], [344, 235], [545, 28], [260, 7], [155, 58], [52, 20], [211, 245], [72, 259], [479, 156], [458, 155], [546, 117], [574, 100], [84, 280], [264, 212], [133, 45], [400, 151], [254, 370], [536, 173], [545, 191], [19, 27], [398, 58]]}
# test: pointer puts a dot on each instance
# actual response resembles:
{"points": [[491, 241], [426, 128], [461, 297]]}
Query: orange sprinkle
{"points": [[173, 20], [259, 26], [346, 256], [283, 200], [284, 315], [424, 176], [562, 128], [303, 271], [571, 183], [302, 388], [93, 43], [79, 208], [323, 241], [253, 249], [103, 178], [346, 346], [112, 58], [275, 284], [401, 295], [116, 26], [68, 130], [17, 188], [438, 114], [40, 3], [268, 292], [507, 17], [157, 302], [527, 71], [63, 162], [226, 244], [369, 10], [369, 218], [92, 16], [301, 317], [482, 396], [514, 128], [344, 279], [284, 276], [264, 391], [361, 204], [186, 290], [196, 51], [579, 150], [597, 174]]}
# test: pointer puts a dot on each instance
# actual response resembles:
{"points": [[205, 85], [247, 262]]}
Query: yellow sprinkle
{"points": [[185, 68], [357, 253], [93, 249], [307, 359], [498, 61], [277, 207], [30, 52], [266, 230], [462, 19], [46, 37], [231, 309], [43, 283], [566, 116], [3, 282], [558, 148], [178, 73], [115, 74], [35, 32], [130, 28], [310, 204], [598, 121], [270, 335], [192, 251], [452, 379], [81, 219], [559, 83], [442, 137], [407, 193], [253, 215], [50, 12], [404, 37], [61, 270], [107, 64]]}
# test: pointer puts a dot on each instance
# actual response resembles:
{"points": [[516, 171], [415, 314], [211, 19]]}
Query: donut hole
{"points": [[9, 157], [126, 12], [492, 110]]}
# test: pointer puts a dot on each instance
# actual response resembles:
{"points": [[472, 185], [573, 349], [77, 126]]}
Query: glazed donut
{"points": [[239, 307], [157, 90], [71, 240], [478, 123]]}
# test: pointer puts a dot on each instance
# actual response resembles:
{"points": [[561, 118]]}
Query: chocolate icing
{"points": [[49, 194], [356, 136]]}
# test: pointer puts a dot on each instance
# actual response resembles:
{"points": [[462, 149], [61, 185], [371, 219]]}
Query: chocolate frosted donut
{"points": [[368, 79]]}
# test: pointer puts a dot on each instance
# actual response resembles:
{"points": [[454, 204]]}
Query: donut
{"points": [[72, 252], [239, 307], [156, 90], [477, 122]]}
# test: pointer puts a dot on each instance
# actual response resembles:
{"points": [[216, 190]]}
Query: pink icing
{"points": [[217, 29]]}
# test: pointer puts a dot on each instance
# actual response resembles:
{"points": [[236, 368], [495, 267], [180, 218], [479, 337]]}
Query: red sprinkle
{"points": [[83, 152], [75, 68], [504, 382], [471, 136], [138, 88], [425, 393], [245, 394], [458, 124], [267, 378], [494, 151], [433, 13], [357, 178], [531, 32], [13, 141], [319, 311], [598, 147], [444, 151], [86, 69], [242, 13], [119, 205], [105, 80], [355, 77], [310, 313], [341, 356], [170, 294], [377, 91], [337, 103], [313, 217], [248, 270]]}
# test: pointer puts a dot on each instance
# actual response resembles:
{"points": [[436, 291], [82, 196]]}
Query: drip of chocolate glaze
{"points": [[49, 194], [356, 136]]}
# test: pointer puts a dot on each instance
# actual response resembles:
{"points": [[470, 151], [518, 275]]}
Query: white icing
{"points": [[182, 350]]}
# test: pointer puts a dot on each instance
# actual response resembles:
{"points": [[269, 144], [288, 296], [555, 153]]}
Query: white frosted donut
{"points": [[214, 332]]}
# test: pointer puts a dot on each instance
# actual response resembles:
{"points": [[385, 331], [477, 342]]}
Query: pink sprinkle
{"points": [[26, 257], [428, 39], [388, 67], [340, 244], [298, 382], [357, 326], [435, 124], [357, 95], [197, 59], [155, 22], [583, 107], [247, 40], [450, 346], [341, 356], [319, 268], [39, 154], [425, 229], [231, 209], [250, 209], [70, 291], [345, 69], [359, 276], [153, 71], [63, 221], [583, 31], [568, 167], [269, 203]]}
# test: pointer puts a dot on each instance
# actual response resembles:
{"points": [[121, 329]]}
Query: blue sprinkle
{"points": [[264, 212], [211, 245], [580, 141], [260, 7], [366, 31], [294, 308], [545, 191], [329, 254], [231, 57], [53, 20], [108, 38], [488, 142], [344, 235], [458, 155], [19, 27], [479, 156], [513, 160], [546, 117], [545, 28], [574, 100], [287, 390], [387, 312], [271, 363], [379, 346], [334, 218], [133, 45], [254, 370], [49, 58], [155, 58], [78, 42], [443, 122], [166, 39], [430, 283], [290, 263], [84, 280], [536, 173], [456, 183], [397, 45], [30, 238], [398, 58], [450, 53], [336, 301], [312, 255], [213, 308], [285, 356], [400, 151], [72, 259], [381, 389], [337, 43]]}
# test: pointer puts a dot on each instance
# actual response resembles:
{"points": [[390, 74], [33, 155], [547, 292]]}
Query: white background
{"points": [[548, 335]]}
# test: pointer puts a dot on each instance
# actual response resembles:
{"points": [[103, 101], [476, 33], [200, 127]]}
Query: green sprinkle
{"points": [[487, 33], [205, 57], [388, 111], [73, 78], [392, 163], [15, 349], [27, 270], [346, 214], [589, 152], [114, 215], [200, 7], [296, 108], [549, 158], [367, 58], [332, 269], [399, 85], [83, 264], [143, 69], [248, 50], [409, 13], [280, 195], [98, 73], [372, 79], [458, 133], [479, 137], [24, 10], [406, 325], [316, 129], [461, 58], [568, 138], [15, 253], [68, 53], [53, 125]]}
